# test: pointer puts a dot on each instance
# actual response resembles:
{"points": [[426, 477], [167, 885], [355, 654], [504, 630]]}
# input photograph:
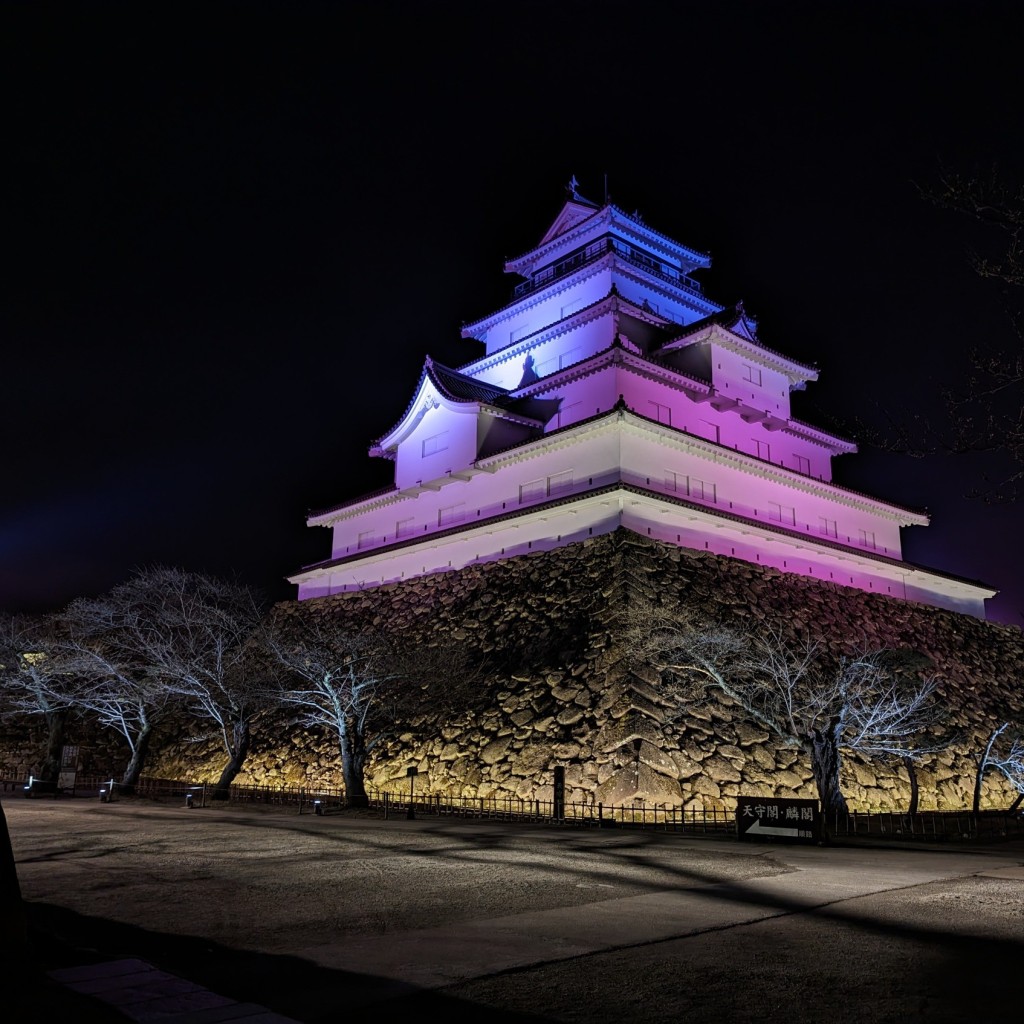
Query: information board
{"points": [[770, 819]]}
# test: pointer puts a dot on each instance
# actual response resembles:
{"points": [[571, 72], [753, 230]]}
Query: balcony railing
{"points": [[592, 253]]}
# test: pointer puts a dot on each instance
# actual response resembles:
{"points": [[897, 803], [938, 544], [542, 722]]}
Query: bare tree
{"points": [[36, 681], [168, 635], [870, 701], [121, 691], [1004, 753], [355, 680]]}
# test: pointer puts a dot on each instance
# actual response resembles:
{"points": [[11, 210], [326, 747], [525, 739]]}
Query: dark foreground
{"points": [[320, 919]]}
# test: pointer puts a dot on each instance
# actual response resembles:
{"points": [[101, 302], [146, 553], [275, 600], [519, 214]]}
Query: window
{"points": [[532, 490], [451, 514], [568, 358], [802, 464], [567, 414], [367, 539], [867, 539], [661, 413], [762, 449], [405, 528], [671, 480], [560, 482], [436, 443], [781, 513], [709, 430], [700, 489], [752, 374], [827, 527]]}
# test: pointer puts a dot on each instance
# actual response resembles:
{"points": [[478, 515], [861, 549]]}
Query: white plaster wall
{"points": [[564, 524], [783, 503], [662, 302], [605, 457], [728, 371], [456, 430], [540, 309]]}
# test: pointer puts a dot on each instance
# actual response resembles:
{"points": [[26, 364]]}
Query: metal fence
{"points": [[663, 817], [934, 826], [927, 825], [328, 800]]}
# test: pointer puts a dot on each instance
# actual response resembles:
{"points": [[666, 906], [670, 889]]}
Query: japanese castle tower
{"points": [[612, 393]]}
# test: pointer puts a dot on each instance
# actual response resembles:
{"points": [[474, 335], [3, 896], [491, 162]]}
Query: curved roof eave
{"points": [[450, 388], [691, 335], [311, 571], [613, 214]]}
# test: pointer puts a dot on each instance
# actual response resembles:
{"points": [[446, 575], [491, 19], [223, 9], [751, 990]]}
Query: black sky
{"points": [[234, 230]]}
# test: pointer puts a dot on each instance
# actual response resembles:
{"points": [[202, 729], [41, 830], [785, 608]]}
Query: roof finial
{"points": [[572, 186]]}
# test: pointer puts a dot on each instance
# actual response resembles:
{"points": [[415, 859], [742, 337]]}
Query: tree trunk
{"points": [[353, 763], [983, 759], [825, 760], [137, 762], [979, 776], [1016, 803], [908, 763], [56, 722], [240, 741]]}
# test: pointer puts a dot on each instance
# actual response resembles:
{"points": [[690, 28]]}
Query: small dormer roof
{"points": [[459, 387], [734, 328], [439, 385]]}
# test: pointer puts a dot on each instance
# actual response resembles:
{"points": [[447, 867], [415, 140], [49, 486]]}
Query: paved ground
{"points": [[178, 915]]}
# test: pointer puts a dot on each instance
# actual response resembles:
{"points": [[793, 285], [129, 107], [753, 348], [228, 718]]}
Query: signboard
{"points": [[766, 818], [68, 768]]}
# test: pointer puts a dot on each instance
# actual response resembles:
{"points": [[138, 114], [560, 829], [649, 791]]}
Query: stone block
{"points": [[495, 750]]}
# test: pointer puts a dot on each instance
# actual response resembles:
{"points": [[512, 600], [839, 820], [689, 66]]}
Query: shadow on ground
{"points": [[288, 985]]}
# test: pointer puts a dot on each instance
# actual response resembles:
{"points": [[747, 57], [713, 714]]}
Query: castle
{"points": [[613, 393]]}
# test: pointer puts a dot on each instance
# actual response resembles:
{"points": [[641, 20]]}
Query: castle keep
{"points": [[609, 393]]}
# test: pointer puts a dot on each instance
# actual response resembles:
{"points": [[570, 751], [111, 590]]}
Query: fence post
{"points": [[558, 809]]}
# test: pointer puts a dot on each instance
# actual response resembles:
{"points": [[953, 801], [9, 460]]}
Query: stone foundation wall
{"points": [[558, 691]]}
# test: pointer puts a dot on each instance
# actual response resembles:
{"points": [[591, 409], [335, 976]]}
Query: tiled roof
{"points": [[455, 386], [461, 388], [729, 318]]}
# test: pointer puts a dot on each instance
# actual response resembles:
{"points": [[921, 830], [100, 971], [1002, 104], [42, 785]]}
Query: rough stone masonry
{"points": [[559, 691]]}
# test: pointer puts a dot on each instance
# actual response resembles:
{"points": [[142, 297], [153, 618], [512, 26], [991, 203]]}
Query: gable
{"points": [[574, 212]]}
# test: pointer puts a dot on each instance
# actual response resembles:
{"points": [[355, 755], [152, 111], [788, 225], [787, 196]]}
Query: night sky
{"points": [[233, 231]]}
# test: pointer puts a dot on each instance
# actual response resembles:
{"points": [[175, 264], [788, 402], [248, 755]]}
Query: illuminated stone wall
{"points": [[559, 692]]}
